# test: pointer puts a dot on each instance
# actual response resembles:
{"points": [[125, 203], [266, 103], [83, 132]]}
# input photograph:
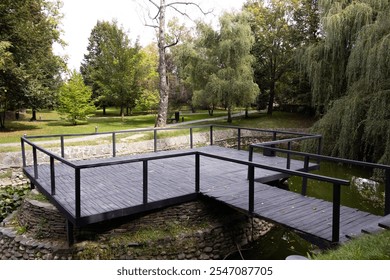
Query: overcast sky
{"points": [[80, 16]]}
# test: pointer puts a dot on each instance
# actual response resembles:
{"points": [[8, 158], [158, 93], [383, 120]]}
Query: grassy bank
{"points": [[366, 247]]}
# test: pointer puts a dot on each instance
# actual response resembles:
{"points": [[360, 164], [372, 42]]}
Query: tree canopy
{"points": [[30, 71], [112, 66], [219, 64], [75, 99], [349, 70]]}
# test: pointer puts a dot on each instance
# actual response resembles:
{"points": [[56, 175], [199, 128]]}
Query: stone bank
{"points": [[202, 229]]}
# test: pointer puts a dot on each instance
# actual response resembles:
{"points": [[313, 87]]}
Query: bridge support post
{"points": [[304, 179], [69, 233], [251, 189], [211, 136], [197, 173], [336, 213], [145, 181]]}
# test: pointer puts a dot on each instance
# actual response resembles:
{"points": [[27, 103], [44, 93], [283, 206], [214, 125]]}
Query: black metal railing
{"points": [[270, 146], [155, 131], [310, 156]]}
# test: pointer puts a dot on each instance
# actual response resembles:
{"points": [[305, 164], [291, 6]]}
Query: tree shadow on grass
{"points": [[15, 126]]}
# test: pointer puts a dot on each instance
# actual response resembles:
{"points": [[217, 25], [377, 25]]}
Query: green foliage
{"points": [[11, 199], [30, 75], [349, 71], [280, 27], [112, 67], [75, 99], [219, 64]]}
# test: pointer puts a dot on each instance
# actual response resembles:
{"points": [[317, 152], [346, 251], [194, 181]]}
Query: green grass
{"points": [[367, 247], [277, 120], [49, 122]]}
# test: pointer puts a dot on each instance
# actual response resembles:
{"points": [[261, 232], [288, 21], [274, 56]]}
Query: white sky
{"points": [[80, 16]]}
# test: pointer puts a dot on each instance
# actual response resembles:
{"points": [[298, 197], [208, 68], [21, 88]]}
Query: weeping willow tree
{"points": [[349, 71]]}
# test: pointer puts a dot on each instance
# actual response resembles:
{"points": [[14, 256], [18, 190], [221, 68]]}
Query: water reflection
{"points": [[277, 244]]}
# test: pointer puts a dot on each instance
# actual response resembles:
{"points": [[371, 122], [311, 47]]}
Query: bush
{"points": [[11, 199]]}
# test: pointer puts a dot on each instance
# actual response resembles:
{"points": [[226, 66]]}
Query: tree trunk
{"points": [[229, 119], [271, 98], [122, 113], [2, 119], [162, 70], [104, 110], [34, 115], [246, 113]]}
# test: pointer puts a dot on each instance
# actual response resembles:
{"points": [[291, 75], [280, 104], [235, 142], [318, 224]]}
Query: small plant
{"points": [[21, 229], [11, 199]]}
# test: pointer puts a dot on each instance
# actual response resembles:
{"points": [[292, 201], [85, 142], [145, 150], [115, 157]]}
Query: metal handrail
{"points": [[319, 157], [78, 166]]}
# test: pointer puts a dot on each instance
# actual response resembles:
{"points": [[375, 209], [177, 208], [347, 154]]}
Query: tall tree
{"points": [[75, 99], [31, 28], [222, 66], [163, 46], [349, 70], [112, 66], [149, 100], [274, 29]]}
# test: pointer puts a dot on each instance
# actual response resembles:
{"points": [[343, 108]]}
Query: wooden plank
{"points": [[385, 223]]}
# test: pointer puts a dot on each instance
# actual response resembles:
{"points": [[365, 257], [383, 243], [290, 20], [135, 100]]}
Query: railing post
{"points": [[191, 138], [239, 139], [155, 140], [251, 188], [145, 181], [23, 152], [62, 147], [304, 179], [77, 193], [250, 158], [319, 150], [35, 160], [336, 213], [211, 136], [197, 173], [387, 191], [52, 176], [288, 155], [113, 144]]}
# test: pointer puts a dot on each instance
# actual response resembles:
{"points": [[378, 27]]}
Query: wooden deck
{"points": [[117, 190]]}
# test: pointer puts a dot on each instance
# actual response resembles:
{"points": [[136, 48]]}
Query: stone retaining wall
{"points": [[202, 229], [42, 220]]}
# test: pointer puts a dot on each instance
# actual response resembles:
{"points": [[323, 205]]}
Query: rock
{"points": [[208, 250]]}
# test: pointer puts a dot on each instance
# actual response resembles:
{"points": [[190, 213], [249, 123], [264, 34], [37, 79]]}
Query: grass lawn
{"points": [[366, 247], [49, 122], [277, 120]]}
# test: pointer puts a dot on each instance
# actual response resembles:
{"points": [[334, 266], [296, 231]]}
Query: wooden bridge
{"points": [[96, 190]]}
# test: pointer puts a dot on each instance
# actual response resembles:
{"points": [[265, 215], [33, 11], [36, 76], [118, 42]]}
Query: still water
{"points": [[364, 193]]}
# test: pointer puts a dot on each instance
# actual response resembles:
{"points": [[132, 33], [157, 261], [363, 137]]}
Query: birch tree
{"points": [[160, 24]]}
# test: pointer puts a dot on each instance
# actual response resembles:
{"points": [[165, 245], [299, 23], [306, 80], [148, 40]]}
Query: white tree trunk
{"points": [[162, 70]]}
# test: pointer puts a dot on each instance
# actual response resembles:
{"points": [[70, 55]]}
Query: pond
{"points": [[364, 194]]}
